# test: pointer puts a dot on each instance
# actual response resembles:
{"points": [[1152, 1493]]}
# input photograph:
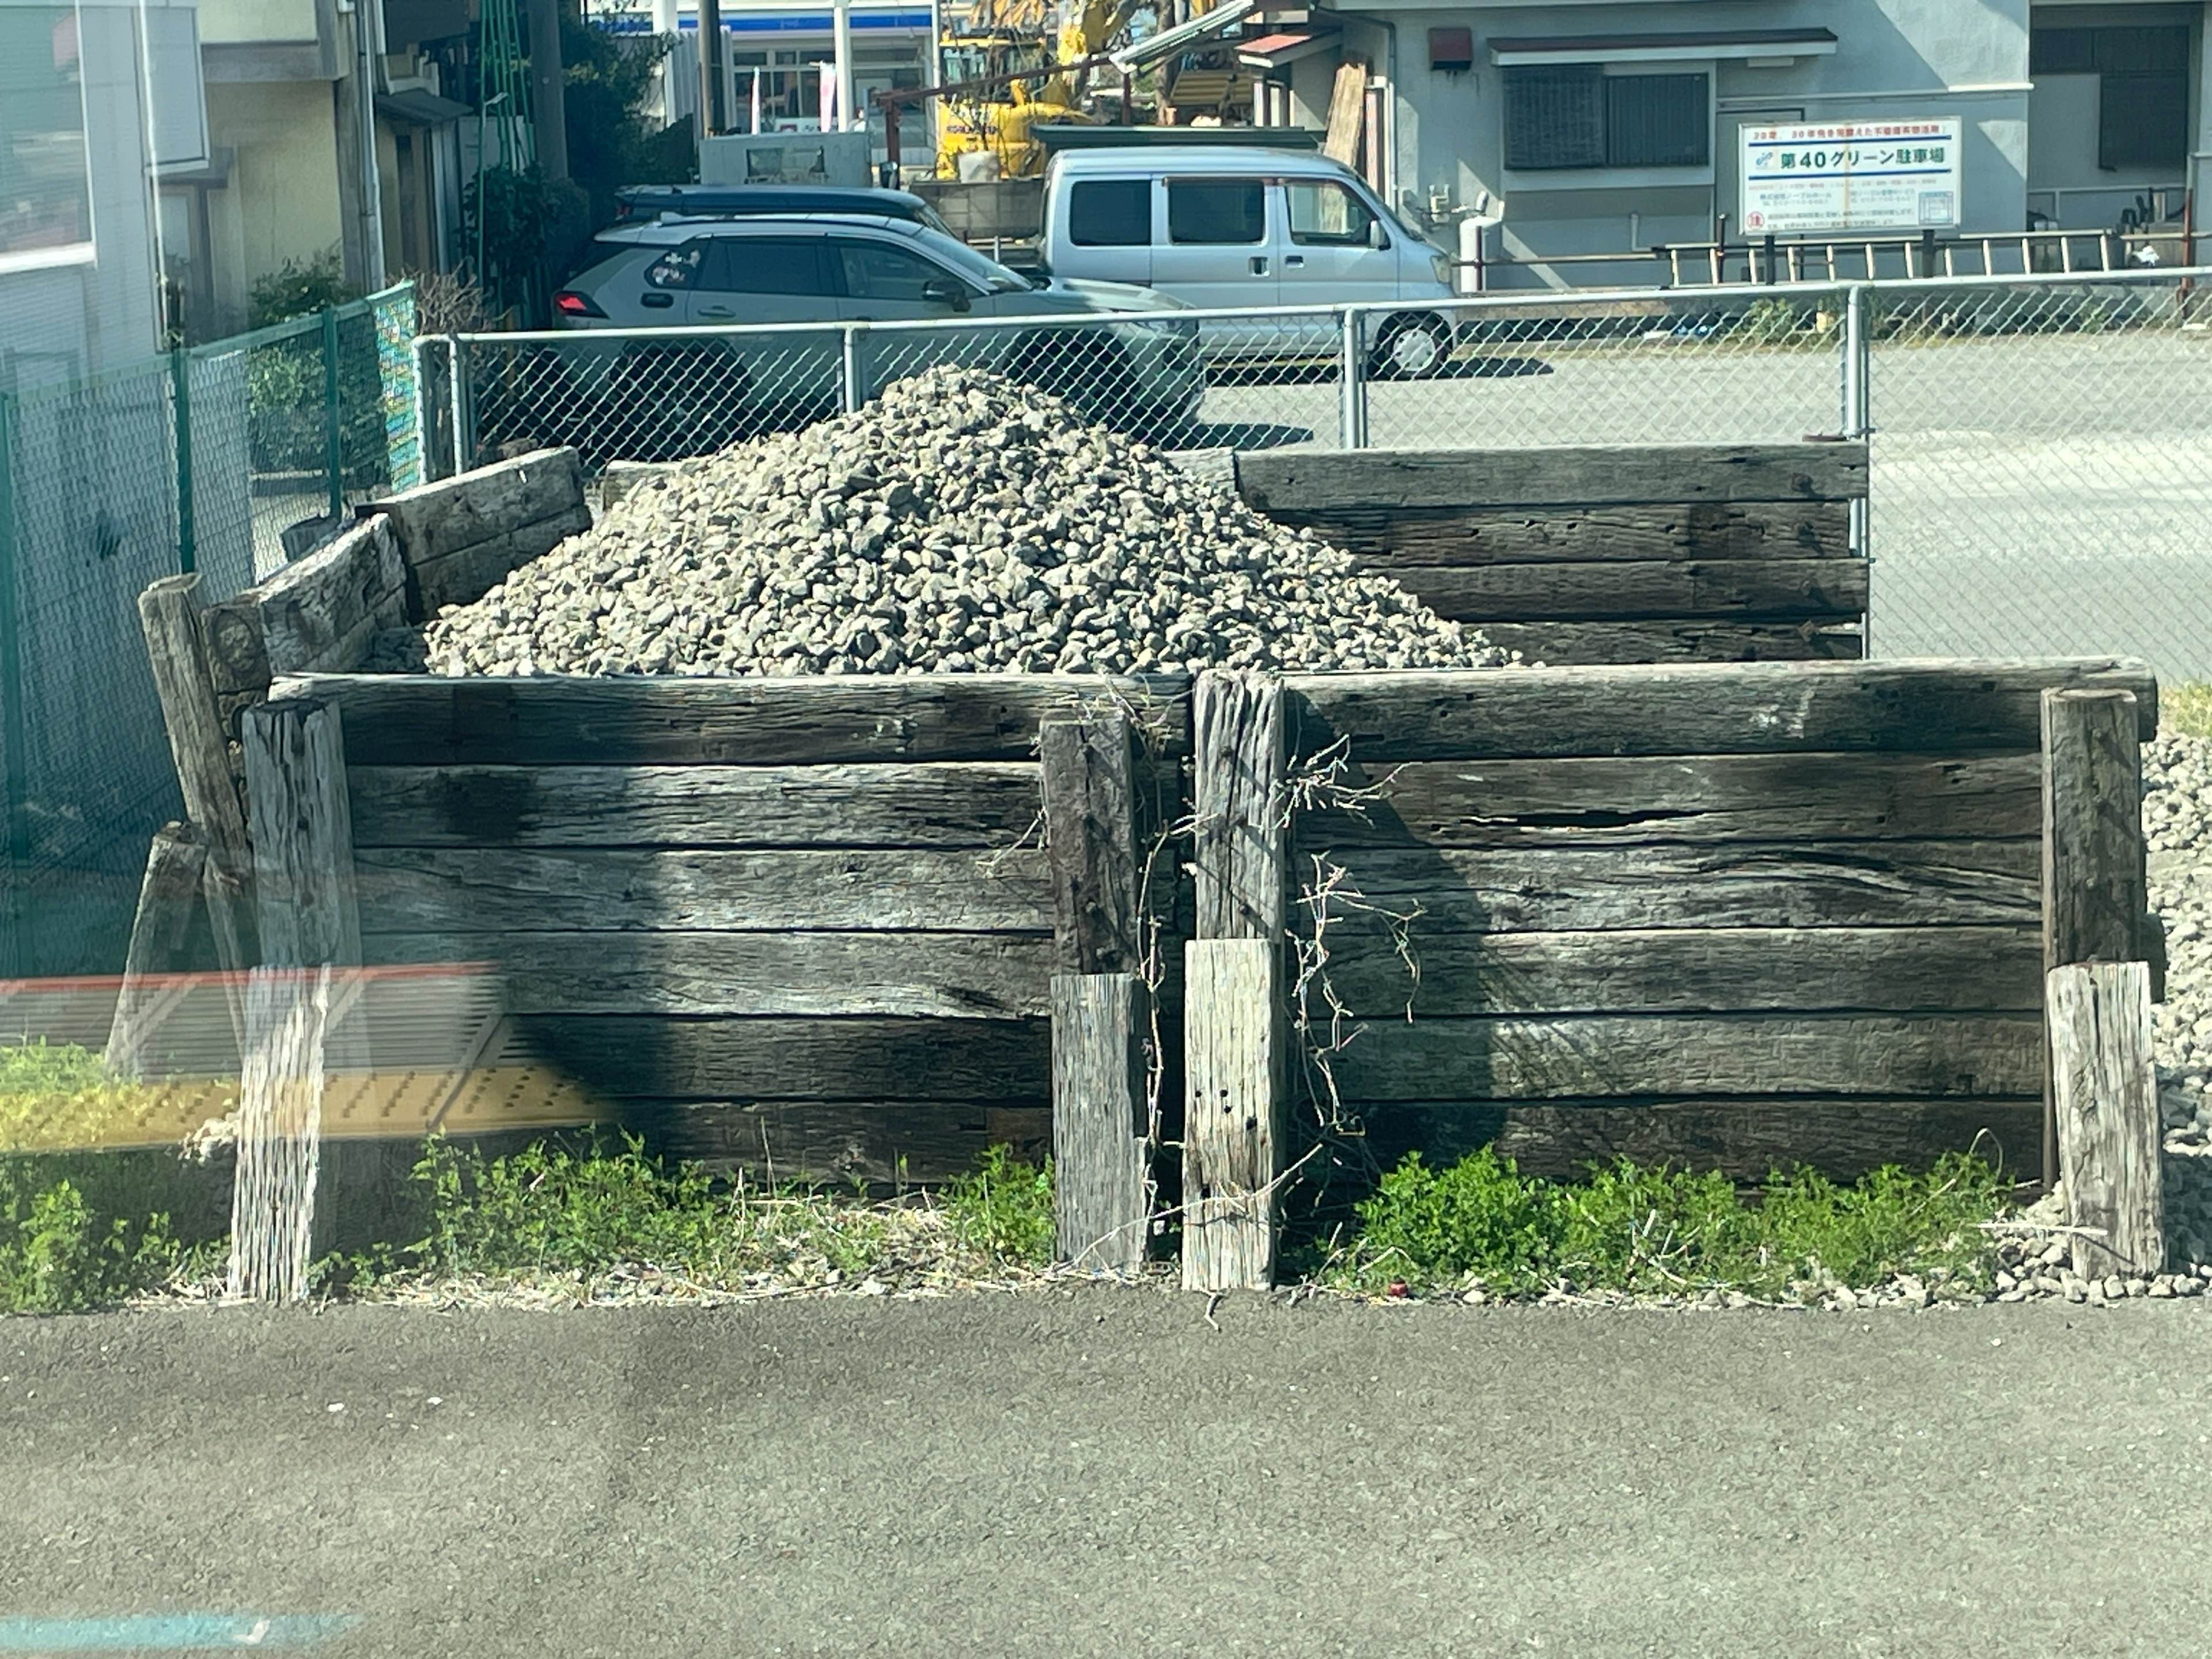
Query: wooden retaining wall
{"points": [[802, 925], [1734, 916], [1604, 553]]}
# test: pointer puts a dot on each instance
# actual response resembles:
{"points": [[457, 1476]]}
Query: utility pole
{"points": [[545, 89], [713, 118]]}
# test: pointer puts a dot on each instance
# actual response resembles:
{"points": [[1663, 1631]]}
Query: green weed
{"points": [[60, 1254], [1659, 1231], [1003, 1210], [2185, 710]]}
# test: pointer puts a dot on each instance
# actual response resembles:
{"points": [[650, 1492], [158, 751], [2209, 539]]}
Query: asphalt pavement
{"points": [[1105, 1472]]}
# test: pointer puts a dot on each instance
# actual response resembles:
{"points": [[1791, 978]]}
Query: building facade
{"points": [[1579, 129]]}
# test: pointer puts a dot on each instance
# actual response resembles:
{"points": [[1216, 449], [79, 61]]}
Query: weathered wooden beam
{"points": [[1241, 807], [1739, 590], [168, 902], [1554, 889], [1589, 1056], [1696, 708], [1090, 836], [1663, 640], [884, 1145], [2094, 885], [948, 805], [303, 864], [1599, 800], [1744, 1138], [1688, 970], [2106, 1086], [460, 535], [1581, 476], [1234, 1065], [628, 1056], [942, 976], [493, 890], [272, 1231], [1389, 538], [814, 721], [1102, 1131], [168, 615]]}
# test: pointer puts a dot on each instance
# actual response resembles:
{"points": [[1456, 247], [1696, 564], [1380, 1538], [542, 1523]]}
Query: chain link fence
{"points": [[2041, 447], [211, 460]]}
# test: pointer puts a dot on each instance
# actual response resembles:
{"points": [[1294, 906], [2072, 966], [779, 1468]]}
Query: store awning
{"points": [[1689, 44], [1274, 51], [420, 108], [1184, 36]]}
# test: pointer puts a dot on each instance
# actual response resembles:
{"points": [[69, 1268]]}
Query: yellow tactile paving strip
{"points": [[394, 1105]]}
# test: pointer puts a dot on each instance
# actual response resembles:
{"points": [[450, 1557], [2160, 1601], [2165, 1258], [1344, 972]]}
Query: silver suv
{"points": [[1142, 374]]}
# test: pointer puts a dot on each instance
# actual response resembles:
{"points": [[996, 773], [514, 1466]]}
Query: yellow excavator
{"points": [[1027, 74]]}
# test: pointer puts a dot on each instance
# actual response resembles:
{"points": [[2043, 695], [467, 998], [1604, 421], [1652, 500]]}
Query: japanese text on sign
{"points": [[1851, 176]]}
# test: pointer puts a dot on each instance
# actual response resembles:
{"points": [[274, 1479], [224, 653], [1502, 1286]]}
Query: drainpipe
{"points": [[841, 19], [368, 41]]}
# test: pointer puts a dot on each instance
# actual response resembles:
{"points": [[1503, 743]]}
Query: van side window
{"points": [[1327, 214], [1217, 209], [1110, 213], [679, 267]]}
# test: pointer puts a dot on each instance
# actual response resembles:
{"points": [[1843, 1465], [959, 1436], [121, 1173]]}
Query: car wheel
{"points": [[1089, 372], [670, 402], [1409, 347]]}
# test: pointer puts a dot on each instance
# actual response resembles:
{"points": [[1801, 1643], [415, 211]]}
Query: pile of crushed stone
{"points": [[961, 523]]}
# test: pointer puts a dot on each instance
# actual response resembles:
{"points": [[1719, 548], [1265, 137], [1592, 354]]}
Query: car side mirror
{"points": [[945, 291], [1376, 237]]}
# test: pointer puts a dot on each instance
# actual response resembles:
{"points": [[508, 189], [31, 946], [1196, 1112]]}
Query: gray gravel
{"points": [[958, 524], [2178, 830]]}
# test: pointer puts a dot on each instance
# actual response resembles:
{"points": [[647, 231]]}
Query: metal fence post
{"points": [[457, 397], [1352, 385], [419, 396], [1858, 405], [15, 949], [180, 383], [333, 415], [848, 379]]}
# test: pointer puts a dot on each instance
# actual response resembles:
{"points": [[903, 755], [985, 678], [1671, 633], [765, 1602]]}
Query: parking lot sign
{"points": [[1851, 176]]}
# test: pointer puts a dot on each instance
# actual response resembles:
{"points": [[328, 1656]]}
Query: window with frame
{"points": [[1560, 116], [760, 265], [678, 268], [45, 174], [2142, 88], [1217, 211], [1110, 213], [1327, 214], [873, 272]]}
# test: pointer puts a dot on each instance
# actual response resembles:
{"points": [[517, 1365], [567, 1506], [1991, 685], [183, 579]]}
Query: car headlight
{"points": [[1442, 265]]}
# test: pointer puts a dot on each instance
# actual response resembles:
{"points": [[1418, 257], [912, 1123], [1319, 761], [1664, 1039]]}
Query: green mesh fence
{"points": [[228, 459]]}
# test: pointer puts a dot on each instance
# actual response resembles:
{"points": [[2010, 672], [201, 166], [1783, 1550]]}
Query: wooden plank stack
{"points": [[798, 925], [1604, 553], [1734, 916]]}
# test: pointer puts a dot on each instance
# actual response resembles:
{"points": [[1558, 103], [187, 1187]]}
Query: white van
{"points": [[1232, 227]]}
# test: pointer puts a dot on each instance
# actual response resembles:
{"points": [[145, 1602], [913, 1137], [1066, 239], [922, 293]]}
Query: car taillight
{"points": [[569, 303]]}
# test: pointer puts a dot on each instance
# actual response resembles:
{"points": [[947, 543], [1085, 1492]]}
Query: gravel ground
{"points": [[960, 523]]}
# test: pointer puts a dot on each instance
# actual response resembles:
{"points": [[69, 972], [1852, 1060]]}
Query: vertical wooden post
{"points": [[2106, 1086], [169, 615], [2094, 895], [302, 835], [168, 899], [1101, 1120], [1101, 1128], [1233, 1035], [1091, 839], [1231, 1135]]}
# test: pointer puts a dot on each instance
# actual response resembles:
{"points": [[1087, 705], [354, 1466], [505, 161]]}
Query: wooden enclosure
{"points": [[803, 925], [1734, 916], [1602, 554]]}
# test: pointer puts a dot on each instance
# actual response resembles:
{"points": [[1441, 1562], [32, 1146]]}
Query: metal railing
{"points": [[2042, 444]]}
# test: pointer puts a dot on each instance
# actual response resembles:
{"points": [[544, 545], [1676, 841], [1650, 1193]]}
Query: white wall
{"points": [[88, 318]]}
